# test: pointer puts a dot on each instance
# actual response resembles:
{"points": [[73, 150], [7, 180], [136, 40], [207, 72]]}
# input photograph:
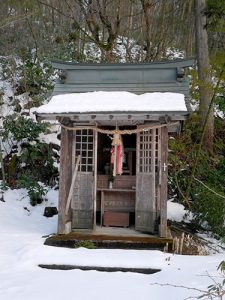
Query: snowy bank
{"points": [[21, 250]]}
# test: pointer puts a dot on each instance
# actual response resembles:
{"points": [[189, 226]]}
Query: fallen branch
{"points": [[178, 286], [205, 294], [208, 188]]}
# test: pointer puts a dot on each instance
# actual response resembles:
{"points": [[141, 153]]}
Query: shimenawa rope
{"points": [[119, 131]]}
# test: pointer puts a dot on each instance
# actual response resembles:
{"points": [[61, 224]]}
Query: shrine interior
{"points": [[120, 196]]}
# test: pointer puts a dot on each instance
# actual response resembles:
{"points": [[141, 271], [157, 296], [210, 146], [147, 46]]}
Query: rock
{"points": [[50, 211]]}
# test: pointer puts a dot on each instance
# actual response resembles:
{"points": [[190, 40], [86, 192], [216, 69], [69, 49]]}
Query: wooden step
{"points": [[110, 241]]}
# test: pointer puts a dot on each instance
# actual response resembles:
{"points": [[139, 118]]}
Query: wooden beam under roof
{"points": [[110, 116]]}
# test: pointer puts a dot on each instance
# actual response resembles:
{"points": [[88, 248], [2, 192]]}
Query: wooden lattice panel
{"points": [[149, 151], [84, 146]]}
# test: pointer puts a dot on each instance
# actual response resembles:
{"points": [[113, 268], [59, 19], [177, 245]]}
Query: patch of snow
{"points": [[218, 112], [173, 53], [51, 137], [176, 212], [113, 101]]}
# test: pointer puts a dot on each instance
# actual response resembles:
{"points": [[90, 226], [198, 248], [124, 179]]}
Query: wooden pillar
{"points": [[164, 182], [65, 178], [95, 175]]}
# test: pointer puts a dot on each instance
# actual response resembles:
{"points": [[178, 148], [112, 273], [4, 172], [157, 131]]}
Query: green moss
{"points": [[85, 244]]}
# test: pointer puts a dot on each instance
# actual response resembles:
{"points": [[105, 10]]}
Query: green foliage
{"points": [[221, 267], [217, 289], [39, 160], [182, 156], [215, 13], [215, 176], [218, 62], [210, 208], [26, 4], [85, 244], [35, 159], [3, 186], [8, 67], [219, 100], [20, 128], [35, 77], [36, 191], [194, 87], [29, 75], [207, 207]]}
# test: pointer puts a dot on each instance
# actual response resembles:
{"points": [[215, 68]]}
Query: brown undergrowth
{"points": [[186, 243]]}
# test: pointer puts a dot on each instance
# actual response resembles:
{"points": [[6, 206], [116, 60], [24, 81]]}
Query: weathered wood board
{"points": [[146, 211], [83, 204]]}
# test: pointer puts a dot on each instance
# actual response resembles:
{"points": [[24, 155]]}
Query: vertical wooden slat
{"points": [[143, 153], [164, 179], [138, 155], [153, 143], [147, 153], [159, 171], [102, 206], [65, 177], [95, 155]]}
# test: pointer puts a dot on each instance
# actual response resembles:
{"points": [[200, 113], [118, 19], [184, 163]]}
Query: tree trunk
{"points": [[146, 9], [204, 73]]}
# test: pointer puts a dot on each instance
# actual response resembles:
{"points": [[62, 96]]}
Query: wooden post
{"points": [[65, 177], [95, 176], [159, 175], [102, 206], [164, 182], [152, 142]]}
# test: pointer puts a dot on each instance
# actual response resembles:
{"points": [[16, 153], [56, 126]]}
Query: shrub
{"points": [[36, 191], [34, 159], [20, 128], [38, 159], [208, 210], [207, 207], [35, 75]]}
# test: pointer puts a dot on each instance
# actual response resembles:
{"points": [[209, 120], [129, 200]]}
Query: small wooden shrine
{"points": [[115, 120]]}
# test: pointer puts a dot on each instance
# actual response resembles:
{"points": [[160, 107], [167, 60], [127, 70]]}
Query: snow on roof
{"points": [[94, 102]]}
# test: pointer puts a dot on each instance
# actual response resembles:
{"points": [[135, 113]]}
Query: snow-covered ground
{"points": [[22, 228]]}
